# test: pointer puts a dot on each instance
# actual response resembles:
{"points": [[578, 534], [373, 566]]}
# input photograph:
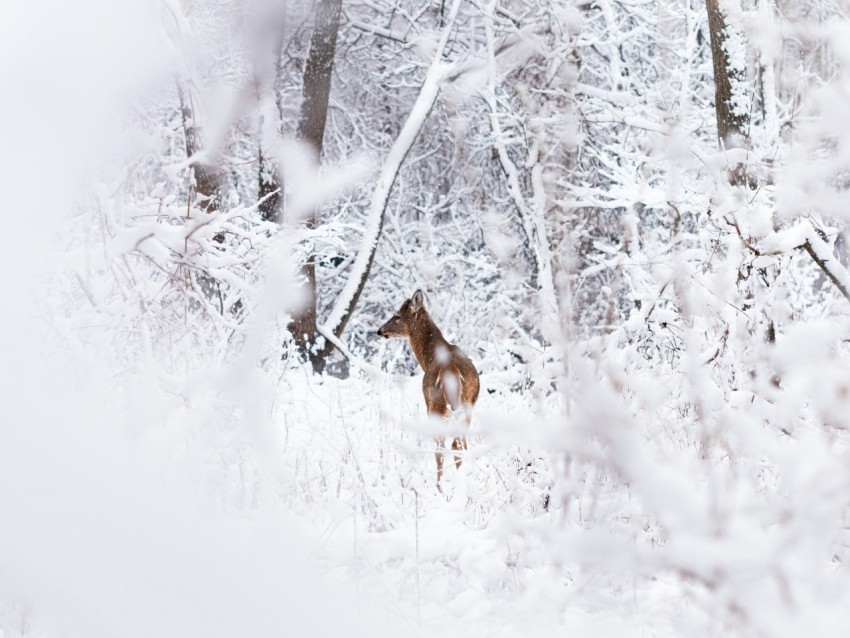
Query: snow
{"points": [[107, 533], [332, 482], [662, 439]]}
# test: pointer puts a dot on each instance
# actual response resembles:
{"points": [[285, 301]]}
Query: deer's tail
{"points": [[451, 382]]}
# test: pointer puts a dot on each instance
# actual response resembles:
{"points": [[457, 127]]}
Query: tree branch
{"points": [[830, 271], [805, 236]]}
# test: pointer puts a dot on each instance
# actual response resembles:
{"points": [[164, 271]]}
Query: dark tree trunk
{"points": [[206, 186], [317, 75], [207, 179], [732, 124], [733, 130], [733, 121], [311, 131], [270, 186], [269, 189]]}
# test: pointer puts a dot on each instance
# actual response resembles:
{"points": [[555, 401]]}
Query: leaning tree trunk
{"points": [[311, 131]]}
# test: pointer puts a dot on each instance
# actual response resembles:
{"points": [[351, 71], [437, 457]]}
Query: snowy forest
{"points": [[630, 215]]}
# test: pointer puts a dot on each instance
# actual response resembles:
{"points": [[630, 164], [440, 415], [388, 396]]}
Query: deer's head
{"points": [[400, 324]]}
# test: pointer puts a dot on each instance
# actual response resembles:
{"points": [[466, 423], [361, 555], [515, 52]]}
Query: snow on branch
{"points": [[804, 235], [389, 34], [353, 359], [347, 299]]}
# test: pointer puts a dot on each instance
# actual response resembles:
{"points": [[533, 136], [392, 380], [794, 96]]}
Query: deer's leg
{"points": [[439, 455], [467, 413], [459, 442], [435, 403], [458, 445]]}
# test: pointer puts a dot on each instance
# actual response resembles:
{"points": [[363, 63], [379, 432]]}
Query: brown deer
{"points": [[451, 380]]}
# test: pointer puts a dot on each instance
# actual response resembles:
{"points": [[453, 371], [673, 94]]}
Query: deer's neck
{"points": [[426, 340]]}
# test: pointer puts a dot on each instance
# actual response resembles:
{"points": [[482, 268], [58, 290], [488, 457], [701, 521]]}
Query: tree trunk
{"points": [[206, 178], [730, 78], [311, 131], [728, 54], [317, 76], [206, 185], [270, 186], [269, 190]]}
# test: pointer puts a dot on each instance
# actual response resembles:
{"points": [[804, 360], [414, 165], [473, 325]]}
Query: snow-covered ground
{"points": [[474, 560], [159, 504], [206, 499], [234, 500]]}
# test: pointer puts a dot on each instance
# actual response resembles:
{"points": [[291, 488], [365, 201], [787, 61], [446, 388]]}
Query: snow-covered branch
{"points": [[532, 217], [805, 236], [347, 299]]}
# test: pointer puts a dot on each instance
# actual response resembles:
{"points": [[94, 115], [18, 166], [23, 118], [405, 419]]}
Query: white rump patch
{"points": [[452, 384]]}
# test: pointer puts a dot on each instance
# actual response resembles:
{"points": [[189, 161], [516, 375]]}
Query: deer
{"points": [[451, 381]]}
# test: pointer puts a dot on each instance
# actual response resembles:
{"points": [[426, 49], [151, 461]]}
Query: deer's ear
{"points": [[417, 301]]}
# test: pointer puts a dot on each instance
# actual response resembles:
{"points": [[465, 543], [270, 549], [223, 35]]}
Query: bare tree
{"points": [[729, 53]]}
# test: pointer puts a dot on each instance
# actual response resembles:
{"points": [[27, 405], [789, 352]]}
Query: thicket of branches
{"points": [[563, 150]]}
